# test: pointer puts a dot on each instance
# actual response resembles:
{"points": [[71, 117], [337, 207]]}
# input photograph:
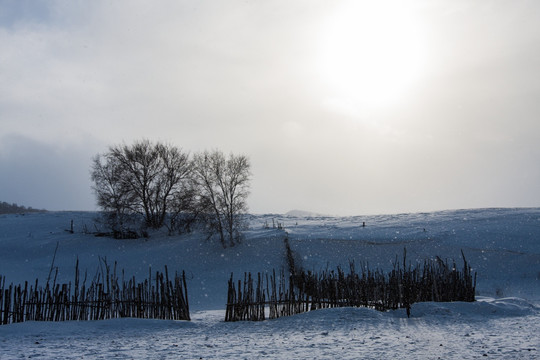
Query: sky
{"points": [[343, 107]]}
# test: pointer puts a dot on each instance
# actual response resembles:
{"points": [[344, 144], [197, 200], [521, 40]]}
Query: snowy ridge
{"points": [[303, 214], [502, 245]]}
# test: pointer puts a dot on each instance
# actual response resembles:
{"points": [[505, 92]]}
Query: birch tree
{"points": [[223, 186]]}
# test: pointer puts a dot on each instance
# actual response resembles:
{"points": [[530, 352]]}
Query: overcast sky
{"points": [[344, 107]]}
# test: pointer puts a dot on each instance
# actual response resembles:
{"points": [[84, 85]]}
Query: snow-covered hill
{"points": [[502, 245]]}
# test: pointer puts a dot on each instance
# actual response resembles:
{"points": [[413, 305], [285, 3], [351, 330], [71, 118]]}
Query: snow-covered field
{"points": [[502, 245]]}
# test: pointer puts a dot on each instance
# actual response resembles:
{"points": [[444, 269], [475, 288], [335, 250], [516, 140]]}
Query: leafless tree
{"points": [[184, 209], [143, 178], [223, 186], [158, 182], [114, 197]]}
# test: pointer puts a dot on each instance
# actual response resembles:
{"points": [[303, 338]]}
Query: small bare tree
{"points": [[223, 189]]}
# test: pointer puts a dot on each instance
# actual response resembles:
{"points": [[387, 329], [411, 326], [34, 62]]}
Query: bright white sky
{"points": [[344, 107]]}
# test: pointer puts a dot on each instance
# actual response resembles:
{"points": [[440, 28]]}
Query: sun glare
{"points": [[371, 54]]}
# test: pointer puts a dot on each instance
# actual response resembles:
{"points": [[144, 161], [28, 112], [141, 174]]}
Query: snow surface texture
{"points": [[502, 245]]}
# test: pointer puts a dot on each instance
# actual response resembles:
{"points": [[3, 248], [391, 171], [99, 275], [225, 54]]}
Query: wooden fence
{"points": [[272, 297], [105, 297]]}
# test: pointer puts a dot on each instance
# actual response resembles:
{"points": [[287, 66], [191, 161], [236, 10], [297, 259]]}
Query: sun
{"points": [[371, 53]]}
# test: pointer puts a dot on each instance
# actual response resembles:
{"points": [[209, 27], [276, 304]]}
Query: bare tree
{"points": [[143, 178], [223, 189], [158, 182], [113, 195], [184, 209]]}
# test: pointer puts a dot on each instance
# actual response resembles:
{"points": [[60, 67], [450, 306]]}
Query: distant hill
{"points": [[303, 213], [6, 208]]}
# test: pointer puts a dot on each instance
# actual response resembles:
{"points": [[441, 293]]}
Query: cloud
{"points": [[45, 176], [240, 76]]}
